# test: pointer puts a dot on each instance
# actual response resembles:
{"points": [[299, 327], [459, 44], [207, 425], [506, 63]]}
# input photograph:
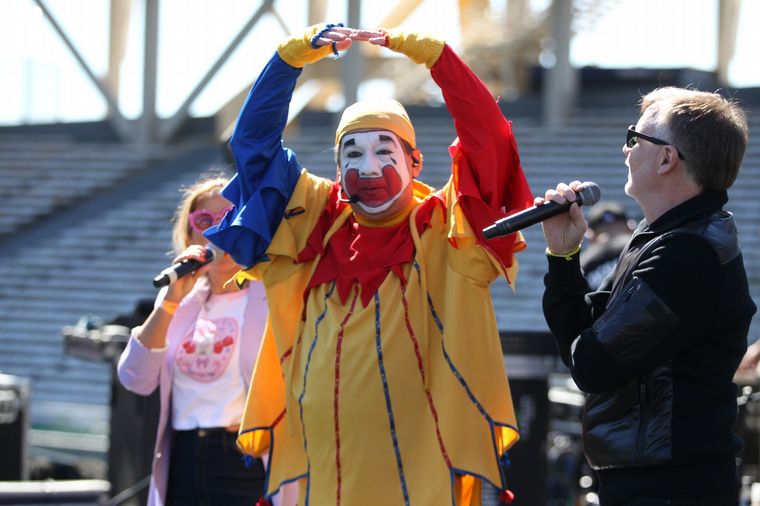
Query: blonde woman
{"points": [[198, 346]]}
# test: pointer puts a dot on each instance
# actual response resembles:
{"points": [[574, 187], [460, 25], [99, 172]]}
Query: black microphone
{"points": [[588, 196], [353, 200], [171, 274]]}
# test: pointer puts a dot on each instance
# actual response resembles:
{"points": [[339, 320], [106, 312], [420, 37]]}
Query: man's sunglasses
{"points": [[201, 219], [633, 137]]}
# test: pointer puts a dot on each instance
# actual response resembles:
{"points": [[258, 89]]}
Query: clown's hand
{"points": [[420, 48], [315, 43]]}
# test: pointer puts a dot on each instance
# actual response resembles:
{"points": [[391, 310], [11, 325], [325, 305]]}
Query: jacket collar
{"points": [[705, 203]]}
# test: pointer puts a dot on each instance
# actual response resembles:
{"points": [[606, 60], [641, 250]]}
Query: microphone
{"points": [[587, 196], [171, 274], [352, 200]]}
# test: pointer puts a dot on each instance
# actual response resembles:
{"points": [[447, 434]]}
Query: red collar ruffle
{"points": [[357, 254]]}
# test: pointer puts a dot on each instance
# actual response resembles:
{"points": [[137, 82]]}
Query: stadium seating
{"points": [[86, 225]]}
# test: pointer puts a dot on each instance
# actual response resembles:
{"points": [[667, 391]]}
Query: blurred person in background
{"points": [[609, 230], [383, 380], [751, 360], [198, 346], [655, 348]]}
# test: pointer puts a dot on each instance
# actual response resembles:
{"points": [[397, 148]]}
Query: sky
{"points": [[41, 82]]}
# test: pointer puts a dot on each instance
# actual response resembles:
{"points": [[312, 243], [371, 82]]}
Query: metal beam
{"points": [[172, 125], [352, 63], [280, 21], [317, 12], [560, 86], [120, 124], [149, 121], [117, 44], [471, 15], [402, 10], [728, 27]]}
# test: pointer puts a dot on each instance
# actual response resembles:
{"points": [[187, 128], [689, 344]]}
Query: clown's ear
{"points": [[417, 161], [338, 173]]}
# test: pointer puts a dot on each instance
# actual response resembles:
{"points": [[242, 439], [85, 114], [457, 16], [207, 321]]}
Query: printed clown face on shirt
{"points": [[206, 350], [376, 172]]}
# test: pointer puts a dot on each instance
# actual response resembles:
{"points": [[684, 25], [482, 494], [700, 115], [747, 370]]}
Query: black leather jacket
{"points": [[656, 347], [630, 426]]}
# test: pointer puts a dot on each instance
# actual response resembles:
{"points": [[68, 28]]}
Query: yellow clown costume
{"points": [[381, 378]]}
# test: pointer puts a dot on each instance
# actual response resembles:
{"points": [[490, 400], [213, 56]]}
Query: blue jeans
{"points": [[207, 469]]}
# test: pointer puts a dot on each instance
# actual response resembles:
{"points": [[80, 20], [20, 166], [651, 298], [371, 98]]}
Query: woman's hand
{"points": [[180, 288], [152, 333]]}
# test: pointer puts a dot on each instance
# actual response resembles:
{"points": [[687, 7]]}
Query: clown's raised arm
{"points": [[488, 181], [267, 172], [485, 140]]}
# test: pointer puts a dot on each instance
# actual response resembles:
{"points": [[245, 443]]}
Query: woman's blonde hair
{"points": [[209, 184]]}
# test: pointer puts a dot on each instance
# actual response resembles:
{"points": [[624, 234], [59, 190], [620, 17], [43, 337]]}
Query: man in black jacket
{"points": [[656, 346]]}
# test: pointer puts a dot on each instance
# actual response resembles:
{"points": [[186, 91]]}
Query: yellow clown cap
{"points": [[385, 114]]}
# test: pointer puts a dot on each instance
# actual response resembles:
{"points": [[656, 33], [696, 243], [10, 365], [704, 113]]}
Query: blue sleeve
{"points": [[267, 172]]}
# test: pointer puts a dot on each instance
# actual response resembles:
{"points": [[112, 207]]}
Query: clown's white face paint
{"points": [[375, 171]]}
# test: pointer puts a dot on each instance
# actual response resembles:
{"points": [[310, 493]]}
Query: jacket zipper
{"points": [[643, 419]]}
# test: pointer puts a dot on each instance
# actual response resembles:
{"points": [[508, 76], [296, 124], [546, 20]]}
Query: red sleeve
{"points": [[487, 174]]}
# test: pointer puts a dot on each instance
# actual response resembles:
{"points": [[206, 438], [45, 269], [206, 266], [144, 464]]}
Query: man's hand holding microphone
{"points": [[559, 213], [564, 232]]}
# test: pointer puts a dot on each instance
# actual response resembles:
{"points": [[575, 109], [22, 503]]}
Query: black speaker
{"points": [[14, 426], [526, 475], [530, 358], [134, 420], [748, 424]]}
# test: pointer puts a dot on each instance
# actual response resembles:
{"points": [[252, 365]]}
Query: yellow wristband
{"points": [[566, 256], [297, 51], [420, 48], [169, 307]]}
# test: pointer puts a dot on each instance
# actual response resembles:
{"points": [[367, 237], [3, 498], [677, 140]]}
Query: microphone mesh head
{"points": [[213, 252], [590, 193]]}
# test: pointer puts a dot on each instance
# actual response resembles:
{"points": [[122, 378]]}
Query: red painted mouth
{"points": [[373, 191]]}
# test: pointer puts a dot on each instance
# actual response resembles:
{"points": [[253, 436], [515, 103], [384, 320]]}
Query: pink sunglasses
{"points": [[201, 219]]}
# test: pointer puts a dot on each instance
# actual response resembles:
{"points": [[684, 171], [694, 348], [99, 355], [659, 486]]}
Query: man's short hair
{"points": [[710, 130]]}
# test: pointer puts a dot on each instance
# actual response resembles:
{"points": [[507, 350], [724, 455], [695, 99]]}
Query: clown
{"points": [[380, 379]]}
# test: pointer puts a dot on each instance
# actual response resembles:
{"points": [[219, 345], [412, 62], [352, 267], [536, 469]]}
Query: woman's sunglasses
{"points": [[201, 219]]}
